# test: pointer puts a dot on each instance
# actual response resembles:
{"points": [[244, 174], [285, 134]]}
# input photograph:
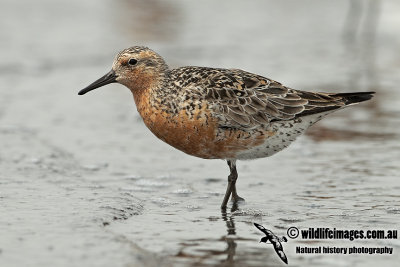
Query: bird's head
{"points": [[137, 68], [264, 239]]}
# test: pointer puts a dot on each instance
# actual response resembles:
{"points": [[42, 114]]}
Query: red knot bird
{"points": [[215, 113]]}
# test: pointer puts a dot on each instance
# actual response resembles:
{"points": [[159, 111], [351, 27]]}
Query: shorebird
{"points": [[274, 240], [215, 113]]}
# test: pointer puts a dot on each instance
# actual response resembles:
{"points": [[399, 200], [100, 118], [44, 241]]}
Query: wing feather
{"points": [[244, 100], [281, 254], [261, 100], [261, 228]]}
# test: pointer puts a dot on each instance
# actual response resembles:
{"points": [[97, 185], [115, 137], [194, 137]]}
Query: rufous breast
{"points": [[197, 133]]}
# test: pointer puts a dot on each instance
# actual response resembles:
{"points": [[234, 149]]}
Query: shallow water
{"points": [[83, 182]]}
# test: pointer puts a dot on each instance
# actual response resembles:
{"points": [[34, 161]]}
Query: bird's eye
{"points": [[132, 61]]}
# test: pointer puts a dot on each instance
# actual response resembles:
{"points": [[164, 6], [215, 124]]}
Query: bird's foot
{"points": [[236, 199]]}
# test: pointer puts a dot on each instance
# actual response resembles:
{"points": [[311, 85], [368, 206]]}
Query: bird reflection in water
{"points": [[194, 252], [231, 236]]}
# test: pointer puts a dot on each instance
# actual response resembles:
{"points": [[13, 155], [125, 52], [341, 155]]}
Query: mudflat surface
{"points": [[84, 183]]}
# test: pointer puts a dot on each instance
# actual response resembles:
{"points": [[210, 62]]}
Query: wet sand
{"points": [[84, 183]]}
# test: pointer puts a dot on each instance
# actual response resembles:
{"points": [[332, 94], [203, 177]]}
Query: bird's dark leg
{"points": [[231, 189], [235, 196], [228, 190]]}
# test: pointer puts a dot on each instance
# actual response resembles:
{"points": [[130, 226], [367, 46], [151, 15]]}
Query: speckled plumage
{"points": [[217, 113]]}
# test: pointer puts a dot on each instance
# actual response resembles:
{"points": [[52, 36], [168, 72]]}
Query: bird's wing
{"points": [[242, 99], [262, 229], [279, 250]]}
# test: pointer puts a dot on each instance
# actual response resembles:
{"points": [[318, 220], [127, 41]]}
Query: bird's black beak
{"points": [[110, 77]]}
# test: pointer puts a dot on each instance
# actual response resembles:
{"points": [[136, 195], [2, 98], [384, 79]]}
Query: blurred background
{"points": [[83, 182]]}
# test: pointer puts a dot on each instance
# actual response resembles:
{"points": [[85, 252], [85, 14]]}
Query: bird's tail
{"points": [[352, 98]]}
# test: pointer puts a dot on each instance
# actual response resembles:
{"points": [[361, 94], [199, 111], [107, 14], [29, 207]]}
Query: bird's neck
{"points": [[144, 84], [147, 92]]}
